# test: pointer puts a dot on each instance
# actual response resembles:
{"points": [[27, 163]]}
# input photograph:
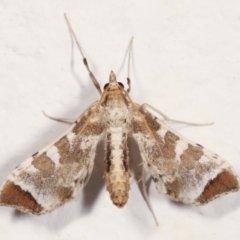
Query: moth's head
{"points": [[113, 84]]}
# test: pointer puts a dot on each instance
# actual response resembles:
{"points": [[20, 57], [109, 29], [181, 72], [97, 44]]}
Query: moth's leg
{"points": [[129, 60], [145, 194], [64, 120], [146, 105], [94, 80]]}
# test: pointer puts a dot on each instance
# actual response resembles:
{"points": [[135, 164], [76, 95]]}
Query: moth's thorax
{"points": [[116, 112]]}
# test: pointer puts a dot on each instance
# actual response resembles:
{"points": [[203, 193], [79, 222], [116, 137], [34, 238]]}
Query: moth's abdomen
{"points": [[117, 165], [118, 187]]}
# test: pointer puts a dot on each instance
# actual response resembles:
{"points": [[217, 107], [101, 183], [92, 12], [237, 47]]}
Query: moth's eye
{"points": [[121, 84], [105, 86]]}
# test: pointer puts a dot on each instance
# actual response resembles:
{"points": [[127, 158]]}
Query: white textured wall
{"points": [[186, 63]]}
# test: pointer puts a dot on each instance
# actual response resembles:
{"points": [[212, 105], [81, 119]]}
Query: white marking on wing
{"points": [[24, 166], [162, 132], [204, 159], [181, 146], [54, 155], [45, 200], [71, 136]]}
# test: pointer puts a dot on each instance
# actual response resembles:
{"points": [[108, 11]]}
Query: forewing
{"points": [[57, 173], [183, 170]]}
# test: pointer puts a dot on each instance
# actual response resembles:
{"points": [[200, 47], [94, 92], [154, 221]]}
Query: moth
{"points": [[183, 170]]}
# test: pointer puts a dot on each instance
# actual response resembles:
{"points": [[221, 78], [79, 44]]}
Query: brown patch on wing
{"points": [[63, 147], [169, 147], [65, 193], [71, 154], [191, 156], [14, 196], [82, 121], [44, 164], [89, 124], [93, 128], [152, 123], [174, 188], [225, 182], [167, 154], [139, 126]]}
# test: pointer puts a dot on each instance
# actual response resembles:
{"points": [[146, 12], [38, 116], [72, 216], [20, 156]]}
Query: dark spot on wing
{"points": [[35, 154]]}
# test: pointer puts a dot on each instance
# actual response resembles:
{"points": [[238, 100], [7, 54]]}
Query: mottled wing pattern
{"points": [[183, 170], [57, 173]]}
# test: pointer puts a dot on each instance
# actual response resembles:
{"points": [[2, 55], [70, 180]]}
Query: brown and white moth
{"points": [[181, 169]]}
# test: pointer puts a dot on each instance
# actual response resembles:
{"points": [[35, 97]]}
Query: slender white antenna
{"points": [[94, 80], [129, 67]]}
